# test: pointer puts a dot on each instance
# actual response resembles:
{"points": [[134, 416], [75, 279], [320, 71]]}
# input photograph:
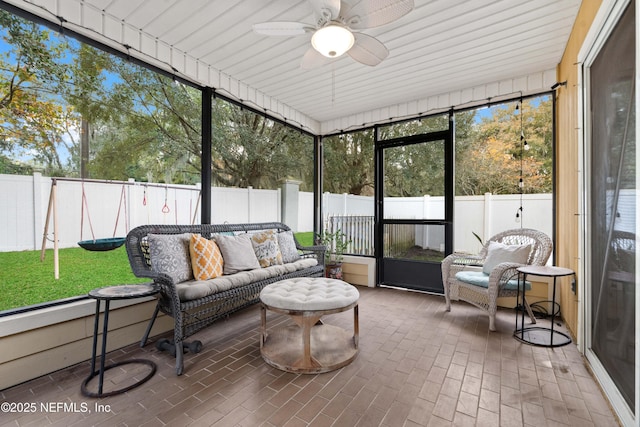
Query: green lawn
{"points": [[27, 281], [305, 238]]}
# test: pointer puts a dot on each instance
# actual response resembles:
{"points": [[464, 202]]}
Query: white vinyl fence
{"points": [[483, 215], [24, 201], [113, 208]]}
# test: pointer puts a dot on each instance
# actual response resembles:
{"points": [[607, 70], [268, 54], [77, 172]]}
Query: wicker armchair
{"points": [[502, 280]]}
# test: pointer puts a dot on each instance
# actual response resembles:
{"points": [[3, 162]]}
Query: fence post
{"points": [[290, 202], [249, 188], [426, 201], [131, 206], [325, 209], [345, 208], [487, 216], [38, 226]]}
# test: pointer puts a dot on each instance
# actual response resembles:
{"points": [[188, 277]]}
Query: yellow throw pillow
{"points": [[206, 258]]}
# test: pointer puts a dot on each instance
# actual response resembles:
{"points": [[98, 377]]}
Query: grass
{"points": [[305, 238], [27, 281]]}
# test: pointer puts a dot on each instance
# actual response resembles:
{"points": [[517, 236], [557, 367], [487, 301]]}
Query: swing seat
{"points": [[102, 244]]}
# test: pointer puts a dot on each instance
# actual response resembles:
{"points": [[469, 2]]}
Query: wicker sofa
{"points": [[195, 304]]}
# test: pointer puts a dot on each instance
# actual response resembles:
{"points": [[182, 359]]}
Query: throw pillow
{"points": [[206, 259], [288, 248], [169, 254], [498, 253], [146, 252], [237, 252], [265, 245]]}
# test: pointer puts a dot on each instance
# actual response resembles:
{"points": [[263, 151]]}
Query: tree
{"points": [[493, 158], [348, 163], [146, 127], [411, 170], [252, 150], [140, 123], [418, 169], [32, 118]]}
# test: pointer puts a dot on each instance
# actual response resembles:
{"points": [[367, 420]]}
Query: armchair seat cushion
{"points": [[478, 278]]}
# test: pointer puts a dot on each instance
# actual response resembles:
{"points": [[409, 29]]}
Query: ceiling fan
{"points": [[333, 32]]}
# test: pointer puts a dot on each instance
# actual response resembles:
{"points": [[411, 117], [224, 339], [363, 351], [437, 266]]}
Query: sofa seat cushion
{"points": [[195, 289], [478, 278]]}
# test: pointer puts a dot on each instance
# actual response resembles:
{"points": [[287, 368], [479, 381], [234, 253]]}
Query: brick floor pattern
{"points": [[417, 366]]}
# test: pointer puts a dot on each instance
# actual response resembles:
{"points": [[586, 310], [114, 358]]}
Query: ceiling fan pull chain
{"points": [[333, 83]]}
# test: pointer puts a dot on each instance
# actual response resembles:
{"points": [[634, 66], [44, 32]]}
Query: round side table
{"points": [[541, 335], [107, 294]]}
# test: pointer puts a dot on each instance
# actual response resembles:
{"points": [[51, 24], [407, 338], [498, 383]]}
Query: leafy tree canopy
{"points": [[64, 104], [492, 157]]}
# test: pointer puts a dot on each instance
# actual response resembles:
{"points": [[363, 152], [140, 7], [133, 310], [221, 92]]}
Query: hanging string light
{"points": [[524, 146]]}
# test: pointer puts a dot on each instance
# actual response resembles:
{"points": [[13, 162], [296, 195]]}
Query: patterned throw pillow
{"points": [[206, 258], [287, 246], [170, 255], [146, 252], [265, 245]]}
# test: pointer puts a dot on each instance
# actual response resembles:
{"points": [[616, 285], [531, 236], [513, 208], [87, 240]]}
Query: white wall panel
{"points": [[92, 18]]}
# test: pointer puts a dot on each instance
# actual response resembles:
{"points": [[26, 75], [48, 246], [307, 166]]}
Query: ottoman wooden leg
{"points": [[307, 361], [263, 325], [356, 327]]}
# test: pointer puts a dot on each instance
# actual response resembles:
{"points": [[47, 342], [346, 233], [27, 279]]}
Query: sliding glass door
{"points": [[611, 209]]}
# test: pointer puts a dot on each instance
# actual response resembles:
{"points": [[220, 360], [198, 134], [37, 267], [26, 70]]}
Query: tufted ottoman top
{"points": [[309, 293]]}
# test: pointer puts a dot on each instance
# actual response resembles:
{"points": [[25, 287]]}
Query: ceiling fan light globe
{"points": [[332, 41]]}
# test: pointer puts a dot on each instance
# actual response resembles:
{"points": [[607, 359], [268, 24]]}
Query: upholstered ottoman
{"points": [[309, 346]]}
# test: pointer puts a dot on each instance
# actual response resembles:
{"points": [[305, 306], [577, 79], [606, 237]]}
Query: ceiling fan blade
{"points": [[313, 59], [368, 50], [326, 10], [369, 14], [282, 28]]}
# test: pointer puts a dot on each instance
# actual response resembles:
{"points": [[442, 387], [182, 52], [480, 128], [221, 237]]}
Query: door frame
{"points": [[447, 222]]}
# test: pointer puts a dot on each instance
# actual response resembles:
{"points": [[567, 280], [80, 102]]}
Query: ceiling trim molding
{"points": [[480, 95]]}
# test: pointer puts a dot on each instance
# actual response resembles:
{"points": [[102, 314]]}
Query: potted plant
{"points": [[336, 244]]}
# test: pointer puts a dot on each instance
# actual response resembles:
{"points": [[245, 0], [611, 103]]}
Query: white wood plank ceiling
{"points": [[443, 53]]}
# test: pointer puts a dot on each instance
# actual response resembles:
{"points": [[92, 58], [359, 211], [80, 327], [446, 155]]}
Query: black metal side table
{"points": [[541, 335], [107, 294]]}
